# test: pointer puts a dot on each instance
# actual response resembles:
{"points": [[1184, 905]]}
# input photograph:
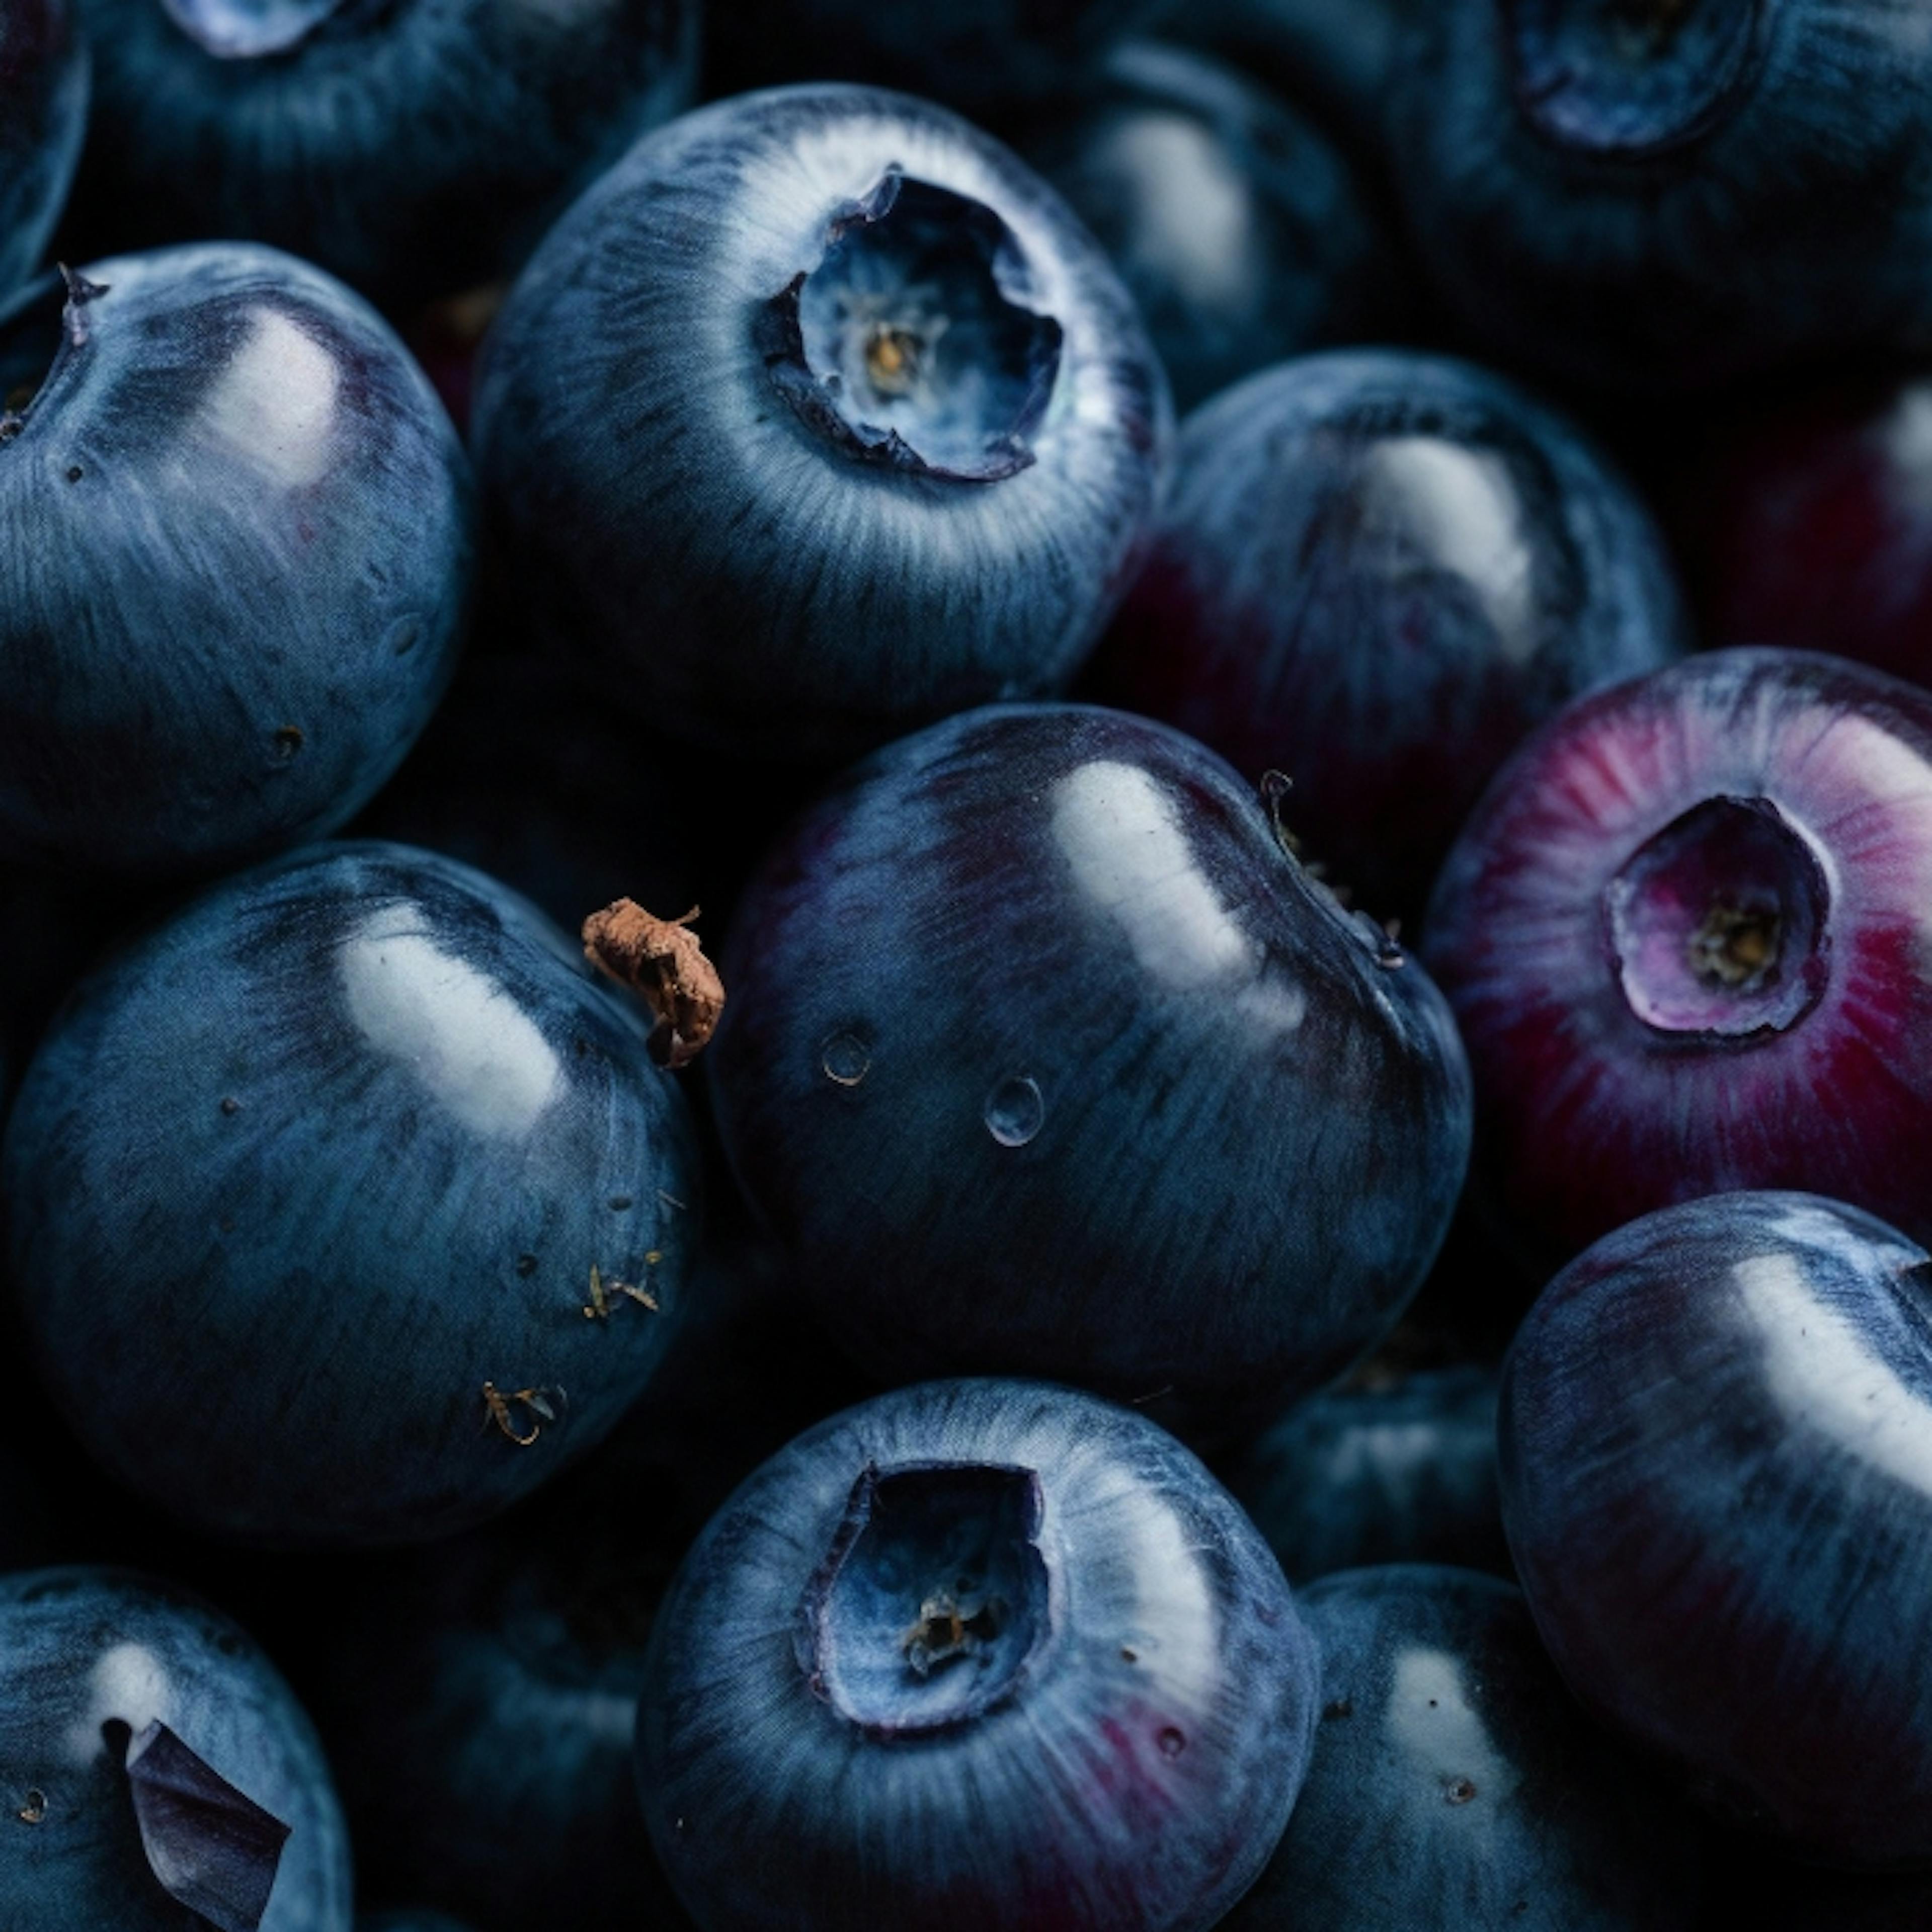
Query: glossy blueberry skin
{"points": [[82, 1649], [1122, 1753], [768, 585], [1377, 571], [1404, 1472], [1716, 1436], [1454, 1782], [43, 97], [1044, 1058], [412, 148], [1240, 229], [236, 545], [1808, 523], [1745, 185], [292, 1178], [1596, 1100]]}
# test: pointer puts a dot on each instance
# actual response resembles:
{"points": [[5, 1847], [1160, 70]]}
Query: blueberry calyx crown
{"points": [[932, 1603], [1630, 79], [250, 29], [912, 343], [1718, 924]]}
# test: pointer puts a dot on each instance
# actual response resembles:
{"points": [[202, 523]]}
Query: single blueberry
{"points": [[1657, 193], [1683, 936], [155, 1773], [1376, 571], [1455, 1784], [415, 148], [271, 1179], [43, 97], [1716, 1442], [822, 416], [1242, 232], [236, 545], [1399, 1471], [1044, 1056], [993, 1651]]}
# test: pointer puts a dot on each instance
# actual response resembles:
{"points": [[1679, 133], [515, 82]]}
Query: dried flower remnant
{"points": [[539, 1406], [662, 961], [605, 1289]]}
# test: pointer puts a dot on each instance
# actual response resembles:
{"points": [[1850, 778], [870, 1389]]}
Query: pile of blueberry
{"points": [[756, 1049]]}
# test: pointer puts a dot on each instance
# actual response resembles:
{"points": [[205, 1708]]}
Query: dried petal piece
{"points": [[540, 1405], [210, 1846], [662, 961]]}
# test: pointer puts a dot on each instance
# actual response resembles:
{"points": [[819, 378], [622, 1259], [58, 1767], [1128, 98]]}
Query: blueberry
{"points": [[43, 97], [415, 148], [237, 544], [993, 1652], [1044, 1057], [154, 1770], [1716, 1470], [1662, 194], [1682, 936], [1240, 228], [822, 415], [1401, 1471], [1454, 1784], [1376, 571], [345, 1205], [1807, 523]]}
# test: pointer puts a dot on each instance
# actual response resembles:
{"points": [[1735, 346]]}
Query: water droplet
{"points": [[1171, 1742], [846, 1059], [1015, 1110]]}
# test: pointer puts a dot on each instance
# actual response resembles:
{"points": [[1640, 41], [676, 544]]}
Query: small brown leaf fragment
{"points": [[603, 1287], [539, 1406], [662, 961]]}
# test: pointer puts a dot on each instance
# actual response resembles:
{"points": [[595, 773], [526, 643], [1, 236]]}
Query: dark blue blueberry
{"points": [[1239, 228], [315, 1195], [1401, 1471], [413, 147], [155, 1773], [1045, 1057], [44, 96], [991, 1653], [973, 54], [1660, 194], [1455, 1785], [1376, 571], [821, 415], [235, 547], [477, 1696], [1716, 1472]]}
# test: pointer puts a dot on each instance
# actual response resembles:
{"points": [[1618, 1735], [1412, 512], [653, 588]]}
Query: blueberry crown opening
{"points": [[1719, 923], [249, 29], [913, 342], [932, 1601], [1631, 77], [42, 323]]}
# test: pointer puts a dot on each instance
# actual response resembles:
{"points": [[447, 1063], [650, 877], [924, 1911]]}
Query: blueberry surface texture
{"points": [[235, 543], [1455, 1784], [1242, 231], [1398, 1472], [43, 96], [1376, 571], [1716, 1440], [1650, 194], [1045, 1056], [990, 1650], [823, 415], [1684, 936], [415, 148], [312, 1192], [158, 1775]]}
